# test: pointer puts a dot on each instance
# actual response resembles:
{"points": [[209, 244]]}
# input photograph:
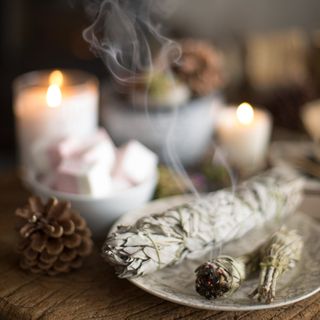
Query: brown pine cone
{"points": [[200, 67], [53, 238]]}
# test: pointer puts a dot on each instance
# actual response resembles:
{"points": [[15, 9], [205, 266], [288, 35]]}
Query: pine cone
{"points": [[53, 238], [199, 67]]}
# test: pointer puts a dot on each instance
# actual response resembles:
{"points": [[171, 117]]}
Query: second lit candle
{"points": [[244, 134]]}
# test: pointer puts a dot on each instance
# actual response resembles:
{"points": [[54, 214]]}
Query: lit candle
{"points": [[53, 105], [244, 134]]}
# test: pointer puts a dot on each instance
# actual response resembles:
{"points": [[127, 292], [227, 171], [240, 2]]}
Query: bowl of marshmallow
{"points": [[101, 181]]}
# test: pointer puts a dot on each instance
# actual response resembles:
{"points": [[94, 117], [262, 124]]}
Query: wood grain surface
{"points": [[94, 292]]}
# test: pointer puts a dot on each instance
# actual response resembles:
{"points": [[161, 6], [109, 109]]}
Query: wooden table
{"points": [[94, 292]]}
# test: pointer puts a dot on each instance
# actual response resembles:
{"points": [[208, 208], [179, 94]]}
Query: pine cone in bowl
{"points": [[200, 67], [53, 238]]}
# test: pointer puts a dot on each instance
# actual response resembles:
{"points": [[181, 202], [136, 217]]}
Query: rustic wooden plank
{"points": [[94, 292]]}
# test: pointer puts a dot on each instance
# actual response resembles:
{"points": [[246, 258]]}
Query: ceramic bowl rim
{"points": [[32, 183]]}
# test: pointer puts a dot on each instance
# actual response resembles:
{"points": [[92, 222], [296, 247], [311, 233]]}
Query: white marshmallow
{"points": [[135, 162], [98, 148], [120, 184]]}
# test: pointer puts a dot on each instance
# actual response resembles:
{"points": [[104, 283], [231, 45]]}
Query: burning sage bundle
{"points": [[223, 275], [164, 239]]}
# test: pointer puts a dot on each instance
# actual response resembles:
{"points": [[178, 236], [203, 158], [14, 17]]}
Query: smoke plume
{"points": [[126, 35]]}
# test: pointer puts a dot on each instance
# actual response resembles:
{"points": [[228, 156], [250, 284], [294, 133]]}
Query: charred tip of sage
{"points": [[211, 281]]}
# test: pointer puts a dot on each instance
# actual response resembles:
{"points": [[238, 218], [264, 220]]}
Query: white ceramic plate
{"points": [[176, 284], [282, 153]]}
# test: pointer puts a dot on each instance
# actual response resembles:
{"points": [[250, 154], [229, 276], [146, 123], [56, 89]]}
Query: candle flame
{"points": [[54, 95], [245, 113], [56, 77]]}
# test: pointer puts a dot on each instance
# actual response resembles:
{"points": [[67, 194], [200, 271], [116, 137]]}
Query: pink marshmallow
{"points": [[46, 157], [85, 166], [63, 149], [76, 176], [96, 148]]}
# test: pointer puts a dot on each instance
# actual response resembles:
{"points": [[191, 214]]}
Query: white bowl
{"points": [[100, 213], [192, 126]]}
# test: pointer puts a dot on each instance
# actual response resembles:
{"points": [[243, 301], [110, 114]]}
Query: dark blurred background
{"points": [[44, 34]]}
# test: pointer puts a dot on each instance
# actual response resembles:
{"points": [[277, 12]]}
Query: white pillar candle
{"points": [[244, 134], [52, 105]]}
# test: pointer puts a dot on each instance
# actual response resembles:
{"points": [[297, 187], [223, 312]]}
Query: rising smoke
{"points": [[126, 35]]}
